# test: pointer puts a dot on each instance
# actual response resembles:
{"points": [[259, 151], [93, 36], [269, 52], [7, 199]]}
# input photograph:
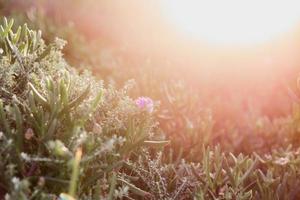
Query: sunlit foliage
{"points": [[66, 135]]}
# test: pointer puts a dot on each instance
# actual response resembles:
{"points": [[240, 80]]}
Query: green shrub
{"points": [[49, 114]]}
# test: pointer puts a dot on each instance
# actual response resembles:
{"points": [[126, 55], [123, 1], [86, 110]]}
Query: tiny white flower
{"points": [[25, 156], [7, 197], [15, 180]]}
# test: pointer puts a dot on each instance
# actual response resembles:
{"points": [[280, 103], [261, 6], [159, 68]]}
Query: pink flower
{"points": [[145, 103]]}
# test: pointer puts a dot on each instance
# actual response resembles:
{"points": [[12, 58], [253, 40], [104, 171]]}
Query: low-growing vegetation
{"points": [[65, 134]]}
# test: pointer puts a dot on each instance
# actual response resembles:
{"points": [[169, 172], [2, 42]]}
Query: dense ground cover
{"points": [[66, 134]]}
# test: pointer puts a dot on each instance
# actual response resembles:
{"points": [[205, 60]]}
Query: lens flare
{"points": [[233, 21]]}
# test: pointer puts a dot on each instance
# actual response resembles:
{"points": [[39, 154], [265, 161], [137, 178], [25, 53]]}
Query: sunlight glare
{"points": [[233, 21]]}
